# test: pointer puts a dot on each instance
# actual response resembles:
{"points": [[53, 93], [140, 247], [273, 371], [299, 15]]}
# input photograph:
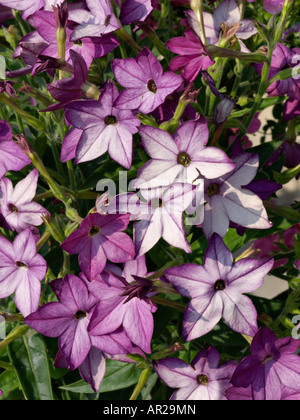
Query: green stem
{"points": [[175, 305], [145, 375], [238, 78], [44, 238]]}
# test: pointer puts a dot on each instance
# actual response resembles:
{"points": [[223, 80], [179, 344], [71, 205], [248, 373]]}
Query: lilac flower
{"points": [[216, 290], [119, 307], [89, 48], [135, 10], [105, 128], [204, 380], [147, 85], [29, 7], [227, 200], [70, 143], [11, 157], [69, 320], [160, 211], [273, 6], [283, 58], [98, 238], [193, 56], [17, 207], [224, 23], [21, 271], [180, 158], [272, 363], [96, 22]]}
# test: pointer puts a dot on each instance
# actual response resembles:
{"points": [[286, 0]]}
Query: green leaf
{"points": [[286, 176], [118, 375], [28, 356], [8, 382]]}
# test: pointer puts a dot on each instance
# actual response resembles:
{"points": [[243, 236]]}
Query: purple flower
{"points": [[70, 143], [105, 128], [244, 394], [272, 363], [193, 56], [69, 320], [291, 109], [29, 7], [216, 290], [227, 200], [96, 22], [283, 58], [89, 48], [11, 157], [180, 158], [17, 207], [204, 380], [273, 6], [291, 152], [135, 10], [225, 22], [297, 263], [117, 307], [147, 85], [21, 271], [98, 238]]}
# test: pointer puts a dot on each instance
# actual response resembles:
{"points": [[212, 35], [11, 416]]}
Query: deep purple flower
{"points": [[180, 158], [284, 58], [105, 128], [21, 271], [98, 238], [272, 363], [228, 200], [135, 10], [11, 157], [297, 263], [96, 22], [193, 56], [291, 109], [216, 290], [17, 207], [117, 308], [224, 23], [69, 89], [291, 152], [245, 394], [147, 85], [204, 380], [89, 48], [69, 320]]}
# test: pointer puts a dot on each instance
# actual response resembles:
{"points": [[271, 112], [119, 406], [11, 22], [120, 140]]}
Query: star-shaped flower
{"points": [[105, 127], [98, 238], [216, 290], [21, 271], [204, 380], [147, 85], [17, 207]]}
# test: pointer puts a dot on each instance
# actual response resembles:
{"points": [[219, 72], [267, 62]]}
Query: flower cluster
{"points": [[167, 263]]}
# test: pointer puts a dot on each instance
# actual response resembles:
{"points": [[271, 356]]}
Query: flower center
{"points": [[220, 285], [267, 358], [80, 315], [20, 264], [202, 380], [151, 86], [213, 189], [110, 120], [13, 208], [78, 42], [94, 231], [184, 159], [156, 203]]}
